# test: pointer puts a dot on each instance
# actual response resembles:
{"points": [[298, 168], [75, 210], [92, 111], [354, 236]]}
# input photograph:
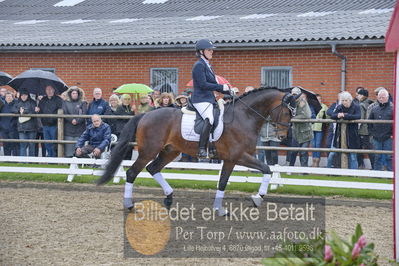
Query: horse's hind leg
{"points": [[249, 161], [131, 175], [167, 155]]}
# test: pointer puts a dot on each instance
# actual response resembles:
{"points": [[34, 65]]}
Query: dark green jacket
{"points": [[302, 132]]}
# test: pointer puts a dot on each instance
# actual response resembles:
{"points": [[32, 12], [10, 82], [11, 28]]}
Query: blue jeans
{"points": [[330, 158], [24, 145], [353, 164], [49, 133], [385, 145], [352, 158], [316, 143], [303, 155], [10, 148], [271, 155]]}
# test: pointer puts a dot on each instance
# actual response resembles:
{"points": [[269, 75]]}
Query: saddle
{"points": [[199, 122]]}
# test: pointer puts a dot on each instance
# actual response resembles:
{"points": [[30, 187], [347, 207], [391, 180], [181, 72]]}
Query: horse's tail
{"points": [[119, 151]]}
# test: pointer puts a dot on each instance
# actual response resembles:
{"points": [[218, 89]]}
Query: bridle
{"points": [[276, 123], [268, 119]]}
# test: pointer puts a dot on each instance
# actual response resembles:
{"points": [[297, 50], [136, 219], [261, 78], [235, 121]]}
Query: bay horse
{"points": [[159, 140]]}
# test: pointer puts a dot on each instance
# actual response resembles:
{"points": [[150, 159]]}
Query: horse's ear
{"points": [[287, 99]]}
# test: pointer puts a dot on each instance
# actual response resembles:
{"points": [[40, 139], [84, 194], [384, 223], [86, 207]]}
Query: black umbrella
{"points": [[312, 99], [4, 78], [36, 81]]}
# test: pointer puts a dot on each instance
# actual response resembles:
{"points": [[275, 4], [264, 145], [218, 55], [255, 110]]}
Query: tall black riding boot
{"points": [[204, 137]]}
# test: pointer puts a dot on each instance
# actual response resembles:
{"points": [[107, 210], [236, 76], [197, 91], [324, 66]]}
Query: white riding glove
{"points": [[226, 87], [233, 91]]}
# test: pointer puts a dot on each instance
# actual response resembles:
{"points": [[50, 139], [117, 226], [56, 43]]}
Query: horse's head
{"points": [[289, 101], [282, 114]]}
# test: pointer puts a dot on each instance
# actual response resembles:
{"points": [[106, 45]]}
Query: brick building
{"points": [[151, 41]]}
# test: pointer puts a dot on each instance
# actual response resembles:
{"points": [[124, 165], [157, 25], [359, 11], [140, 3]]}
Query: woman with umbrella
{"points": [[204, 81], [123, 109], [8, 126], [27, 126], [146, 104]]}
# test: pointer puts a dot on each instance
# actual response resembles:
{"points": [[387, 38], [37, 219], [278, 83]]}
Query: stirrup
{"points": [[202, 154]]}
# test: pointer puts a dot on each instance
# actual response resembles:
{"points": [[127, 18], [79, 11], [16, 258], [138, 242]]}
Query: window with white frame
{"points": [[280, 77], [165, 79]]}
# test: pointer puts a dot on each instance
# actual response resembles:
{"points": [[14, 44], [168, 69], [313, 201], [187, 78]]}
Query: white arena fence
{"points": [[75, 169]]}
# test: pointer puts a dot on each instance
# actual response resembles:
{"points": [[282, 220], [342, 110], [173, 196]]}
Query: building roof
{"points": [[176, 24]]}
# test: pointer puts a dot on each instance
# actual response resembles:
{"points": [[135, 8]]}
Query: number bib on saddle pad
{"points": [[189, 129]]}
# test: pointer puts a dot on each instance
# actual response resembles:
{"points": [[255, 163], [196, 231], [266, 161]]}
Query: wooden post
{"points": [[344, 145], [60, 135]]}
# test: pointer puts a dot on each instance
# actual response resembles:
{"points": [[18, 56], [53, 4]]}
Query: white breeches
{"points": [[206, 110]]}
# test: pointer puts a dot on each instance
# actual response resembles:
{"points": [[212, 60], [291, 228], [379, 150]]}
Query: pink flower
{"points": [[362, 264], [327, 253], [362, 241], [356, 251]]}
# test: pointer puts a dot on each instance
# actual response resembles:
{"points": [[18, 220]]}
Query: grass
{"points": [[233, 186], [286, 189]]}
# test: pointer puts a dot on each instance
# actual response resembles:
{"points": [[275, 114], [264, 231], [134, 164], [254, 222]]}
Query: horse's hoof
{"points": [[168, 201], [128, 203], [257, 200], [221, 212]]}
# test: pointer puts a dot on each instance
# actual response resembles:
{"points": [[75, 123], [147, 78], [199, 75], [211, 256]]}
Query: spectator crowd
{"points": [[367, 136], [93, 136]]}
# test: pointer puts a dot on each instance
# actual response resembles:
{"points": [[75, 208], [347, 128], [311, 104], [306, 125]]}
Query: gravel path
{"points": [[80, 224]]}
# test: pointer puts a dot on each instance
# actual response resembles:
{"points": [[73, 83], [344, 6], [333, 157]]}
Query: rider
{"points": [[203, 99]]}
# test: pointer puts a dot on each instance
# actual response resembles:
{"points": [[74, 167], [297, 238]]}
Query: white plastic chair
{"points": [[107, 152]]}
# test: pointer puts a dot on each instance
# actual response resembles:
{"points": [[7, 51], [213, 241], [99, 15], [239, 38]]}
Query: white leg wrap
{"points": [[167, 189], [264, 185], [128, 190], [217, 204]]}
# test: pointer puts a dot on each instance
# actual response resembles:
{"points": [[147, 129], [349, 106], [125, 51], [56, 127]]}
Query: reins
{"points": [[266, 119]]}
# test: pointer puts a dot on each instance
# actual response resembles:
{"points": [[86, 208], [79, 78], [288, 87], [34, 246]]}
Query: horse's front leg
{"points": [[224, 178], [250, 161]]}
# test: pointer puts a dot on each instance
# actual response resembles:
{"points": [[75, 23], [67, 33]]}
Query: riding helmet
{"points": [[204, 44]]}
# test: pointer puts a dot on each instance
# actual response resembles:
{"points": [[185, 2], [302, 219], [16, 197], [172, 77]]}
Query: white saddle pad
{"points": [[187, 125]]}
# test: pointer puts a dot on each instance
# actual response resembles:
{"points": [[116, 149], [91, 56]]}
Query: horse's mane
{"points": [[253, 92]]}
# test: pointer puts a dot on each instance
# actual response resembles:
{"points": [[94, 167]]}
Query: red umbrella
{"points": [[220, 80]]}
